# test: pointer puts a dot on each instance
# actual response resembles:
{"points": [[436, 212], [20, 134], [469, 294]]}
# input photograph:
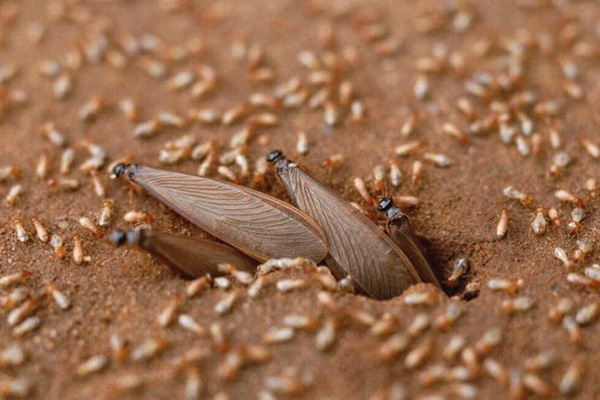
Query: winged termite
{"points": [[357, 246], [187, 256], [399, 229], [258, 225]]}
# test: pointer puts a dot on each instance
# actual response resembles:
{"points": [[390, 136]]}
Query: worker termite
{"points": [[88, 224], [460, 268], [22, 234], [564, 307], [515, 194], [502, 226], [567, 197]]}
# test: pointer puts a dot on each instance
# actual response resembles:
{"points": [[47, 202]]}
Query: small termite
{"points": [[90, 110], [302, 145], [63, 86], [78, 256], [490, 339], [279, 335], [226, 304], [57, 243], [148, 349], [14, 192], [170, 119], [502, 226], [325, 337], [567, 197], [9, 172], [189, 323], [515, 194], [504, 285], [166, 317], [454, 347], [106, 213], [417, 169], [333, 161], [198, 285], [571, 379], [495, 370], [28, 325], [537, 385], [88, 224], [64, 184], [13, 356], [420, 324], [539, 224], [561, 254], [92, 365], [416, 357], [13, 299], [453, 131], [573, 329], [409, 125], [22, 234], [60, 299], [421, 87], [138, 217], [235, 114], [50, 132], [427, 298], [129, 109], [147, 129], [42, 168], [11, 279], [460, 268], [21, 312], [588, 314], [409, 148], [518, 304]]}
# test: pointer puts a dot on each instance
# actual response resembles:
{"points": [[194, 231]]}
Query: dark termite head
{"points": [[119, 237], [122, 169], [385, 204], [274, 156]]}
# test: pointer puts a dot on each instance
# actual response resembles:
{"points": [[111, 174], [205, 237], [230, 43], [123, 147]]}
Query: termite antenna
{"points": [[385, 203], [119, 170], [273, 156]]}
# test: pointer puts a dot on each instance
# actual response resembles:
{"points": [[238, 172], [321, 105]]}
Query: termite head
{"points": [[385, 204], [119, 237], [122, 169], [274, 156]]}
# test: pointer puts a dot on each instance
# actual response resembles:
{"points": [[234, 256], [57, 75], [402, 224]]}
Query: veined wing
{"points": [[193, 257], [376, 264], [259, 225]]}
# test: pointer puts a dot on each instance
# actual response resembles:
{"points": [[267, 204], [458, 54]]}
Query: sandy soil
{"points": [[123, 291]]}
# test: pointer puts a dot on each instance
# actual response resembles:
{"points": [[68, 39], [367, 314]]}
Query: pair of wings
{"points": [[378, 266], [259, 225]]}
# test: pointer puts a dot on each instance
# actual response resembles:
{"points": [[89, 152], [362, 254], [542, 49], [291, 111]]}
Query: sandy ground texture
{"points": [[505, 93]]}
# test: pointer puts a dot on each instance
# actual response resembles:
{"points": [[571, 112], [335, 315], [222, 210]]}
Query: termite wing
{"points": [[357, 246], [185, 255], [258, 225], [399, 229]]}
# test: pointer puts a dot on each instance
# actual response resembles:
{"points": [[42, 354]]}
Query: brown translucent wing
{"points": [[261, 226], [357, 245], [402, 234], [193, 257]]}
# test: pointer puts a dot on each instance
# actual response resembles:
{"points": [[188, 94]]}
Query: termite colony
{"points": [[215, 106]]}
